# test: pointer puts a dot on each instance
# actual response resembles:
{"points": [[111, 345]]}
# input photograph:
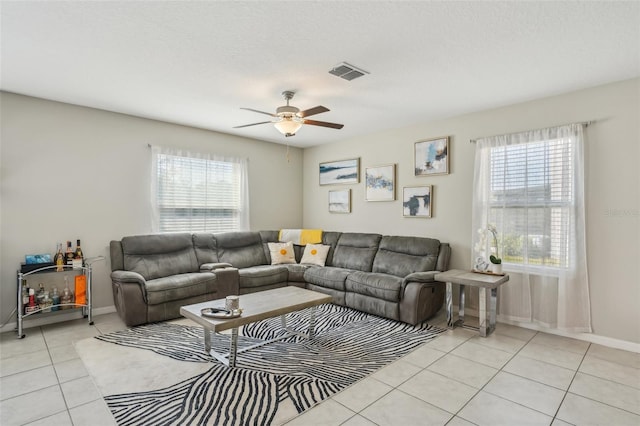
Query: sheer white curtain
{"points": [[530, 186], [198, 192]]}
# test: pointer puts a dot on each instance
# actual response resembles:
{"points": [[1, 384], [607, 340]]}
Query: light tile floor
{"points": [[515, 376]]}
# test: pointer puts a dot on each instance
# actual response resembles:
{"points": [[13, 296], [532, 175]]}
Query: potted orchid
{"points": [[496, 262]]}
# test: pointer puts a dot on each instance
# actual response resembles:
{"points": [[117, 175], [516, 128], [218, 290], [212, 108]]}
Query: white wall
{"points": [[70, 172], [613, 188]]}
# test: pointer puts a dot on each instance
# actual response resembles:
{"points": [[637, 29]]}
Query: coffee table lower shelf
{"points": [[229, 358], [256, 307]]}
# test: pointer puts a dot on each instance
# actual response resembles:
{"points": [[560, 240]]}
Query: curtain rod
{"points": [[584, 123]]}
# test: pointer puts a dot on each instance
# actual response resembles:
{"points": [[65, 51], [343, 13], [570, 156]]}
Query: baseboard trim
{"points": [[37, 322], [588, 337], [592, 338]]}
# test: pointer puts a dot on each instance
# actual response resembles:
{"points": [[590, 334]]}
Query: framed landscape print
{"points": [[416, 201], [380, 183], [431, 157], [337, 172], [340, 201]]}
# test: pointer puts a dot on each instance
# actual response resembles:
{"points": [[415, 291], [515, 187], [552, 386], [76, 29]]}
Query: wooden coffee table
{"points": [[255, 307]]}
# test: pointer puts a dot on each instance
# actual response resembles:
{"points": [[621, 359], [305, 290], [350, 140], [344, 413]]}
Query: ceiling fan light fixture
{"points": [[288, 125]]}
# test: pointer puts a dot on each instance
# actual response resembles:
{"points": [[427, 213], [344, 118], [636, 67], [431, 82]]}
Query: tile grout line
{"points": [[396, 387], [492, 377], [597, 377], [555, 416]]}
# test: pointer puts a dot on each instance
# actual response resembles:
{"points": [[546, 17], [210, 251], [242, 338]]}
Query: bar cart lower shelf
{"points": [[86, 308]]}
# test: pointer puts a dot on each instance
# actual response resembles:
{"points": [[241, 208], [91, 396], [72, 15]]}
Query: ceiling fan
{"points": [[288, 119]]}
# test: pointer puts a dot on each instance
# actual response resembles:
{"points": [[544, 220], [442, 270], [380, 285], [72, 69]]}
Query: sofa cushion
{"points": [[330, 239], [205, 246], [160, 255], [241, 249], [315, 254], [380, 286], [180, 286], [372, 305], [401, 256], [356, 251], [281, 253], [296, 272], [328, 277], [258, 276]]}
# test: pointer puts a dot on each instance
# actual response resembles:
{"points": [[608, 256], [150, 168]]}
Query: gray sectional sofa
{"points": [[389, 276]]}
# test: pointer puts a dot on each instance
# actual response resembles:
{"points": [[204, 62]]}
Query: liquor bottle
{"points": [[67, 296], [31, 306], [78, 253], [55, 299], [69, 255], [40, 296], [81, 289], [58, 259], [25, 296], [46, 302], [78, 260]]}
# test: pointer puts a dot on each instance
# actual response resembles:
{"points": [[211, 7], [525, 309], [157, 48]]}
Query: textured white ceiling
{"points": [[197, 63]]}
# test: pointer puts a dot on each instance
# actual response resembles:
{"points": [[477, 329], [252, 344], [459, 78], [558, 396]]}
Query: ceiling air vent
{"points": [[347, 71]]}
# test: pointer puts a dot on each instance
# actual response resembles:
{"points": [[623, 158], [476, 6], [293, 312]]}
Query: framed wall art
{"points": [[417, 201], [339, 172], [431, 157], [380, 183], [340, 201]]}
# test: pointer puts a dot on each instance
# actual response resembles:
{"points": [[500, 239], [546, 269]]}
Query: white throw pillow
{"points": [[315, 254], [282, 253]]}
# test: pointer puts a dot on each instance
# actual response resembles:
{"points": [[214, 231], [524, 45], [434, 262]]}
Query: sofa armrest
{"points": [[209, 267], [417, 277], [130, 296], [128, 277], [228, 280], [421, 277]]}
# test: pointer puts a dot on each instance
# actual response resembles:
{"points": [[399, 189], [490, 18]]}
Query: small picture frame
{"points": [[340, 201], [380, 183], [340, 172], [431, 157], [417, 201]]}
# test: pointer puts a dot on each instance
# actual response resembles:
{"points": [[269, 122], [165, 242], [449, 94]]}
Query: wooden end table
{"points": [[487, 285]]}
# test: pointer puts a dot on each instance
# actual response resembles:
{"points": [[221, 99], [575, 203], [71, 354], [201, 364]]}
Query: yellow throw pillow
{"points": [[282, 253], [315, 254]]}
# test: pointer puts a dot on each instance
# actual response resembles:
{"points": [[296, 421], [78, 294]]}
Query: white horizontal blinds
{"points": [[197, 194], [531, 193], [530, 185]]}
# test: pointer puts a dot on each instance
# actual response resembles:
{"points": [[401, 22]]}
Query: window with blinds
{"points": [[531, 200], [198, 195]]}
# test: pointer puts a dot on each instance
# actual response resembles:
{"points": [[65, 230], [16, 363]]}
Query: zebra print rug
{"points": [[349, 345]]}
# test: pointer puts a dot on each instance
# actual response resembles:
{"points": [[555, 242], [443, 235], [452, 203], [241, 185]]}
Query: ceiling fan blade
{"points": [[261, 112], [312, 111], [324, 124], [252, 124]]}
